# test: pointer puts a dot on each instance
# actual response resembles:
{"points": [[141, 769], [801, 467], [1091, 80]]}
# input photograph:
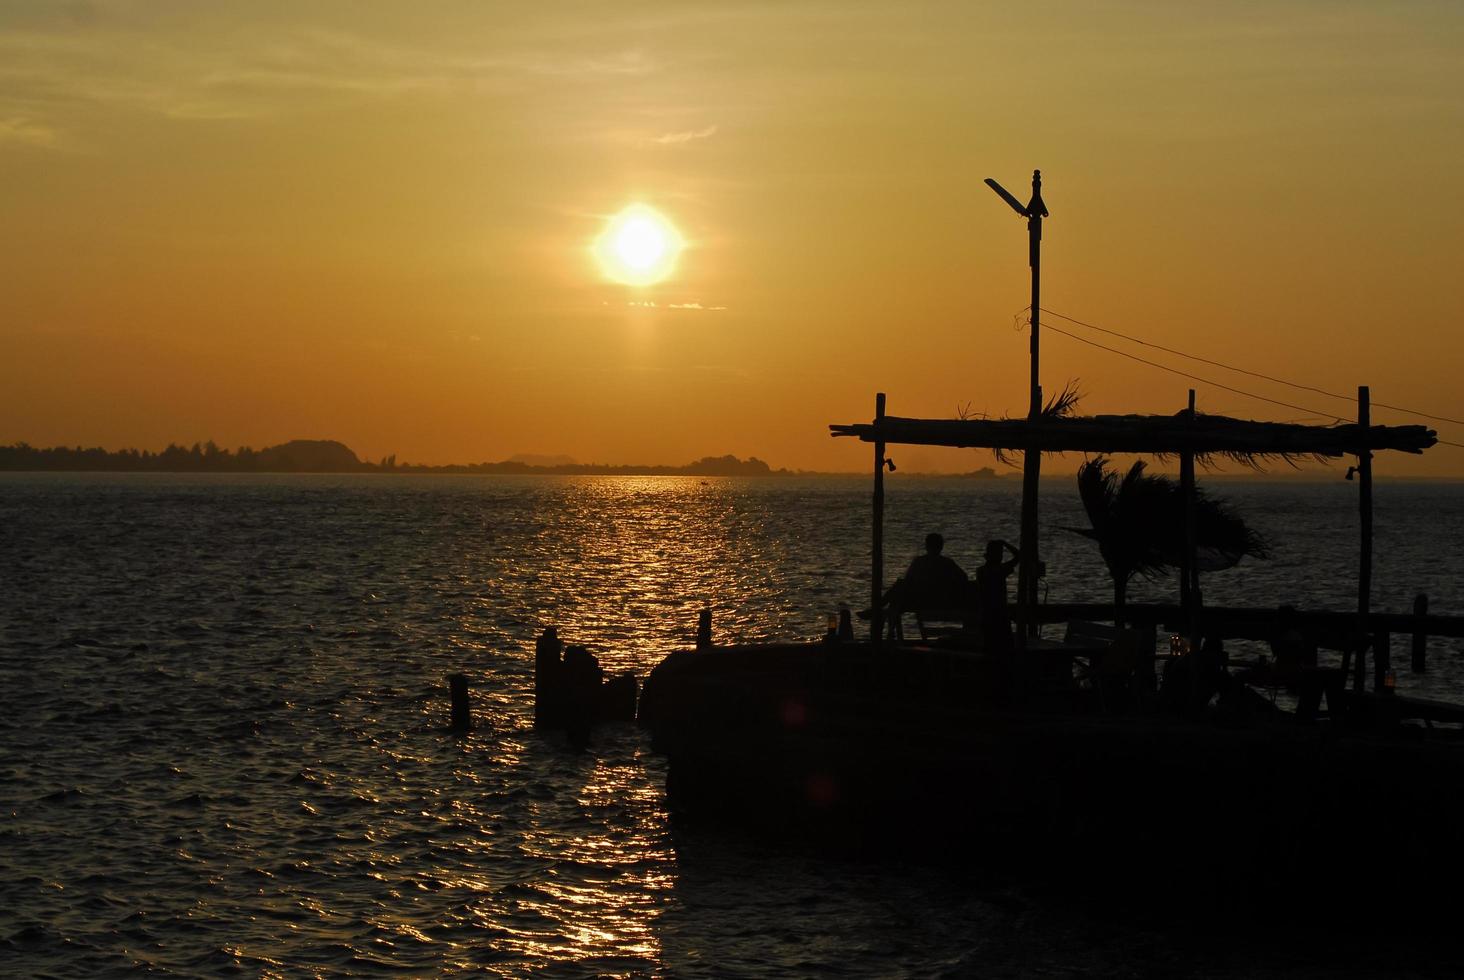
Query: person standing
{"points": [[993, 616]]}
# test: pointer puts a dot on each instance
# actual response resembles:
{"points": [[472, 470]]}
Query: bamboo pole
{"points": [[1189, 575], [1027, 542], [1365, 514], [1420, 636], [462, 710], [876, 573], [1032, 461]]}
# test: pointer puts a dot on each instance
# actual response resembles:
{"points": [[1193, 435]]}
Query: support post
{"points": [[1420, 639], [1034, 211], [876, 571], [1027, 543], [1032, 459], [1365, 514], [1189, 585], [462, 711], [1382, 662], [704, 630]]}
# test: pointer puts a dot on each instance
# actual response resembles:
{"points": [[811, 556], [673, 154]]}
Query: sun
{"points": [[638, 246]]}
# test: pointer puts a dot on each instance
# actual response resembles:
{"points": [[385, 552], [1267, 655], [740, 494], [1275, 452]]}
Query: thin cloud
{"points": [[646, 304], [228, 77], [19, 129], [674, 139]]}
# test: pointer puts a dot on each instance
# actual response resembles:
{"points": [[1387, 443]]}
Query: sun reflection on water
{"points": [[310, 815]]}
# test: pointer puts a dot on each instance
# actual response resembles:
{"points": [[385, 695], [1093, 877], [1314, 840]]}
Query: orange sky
{"points": [[372, 221]]}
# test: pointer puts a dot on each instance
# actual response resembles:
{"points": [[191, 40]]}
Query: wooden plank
{"points": [[1242, 622], [1150, 434]]}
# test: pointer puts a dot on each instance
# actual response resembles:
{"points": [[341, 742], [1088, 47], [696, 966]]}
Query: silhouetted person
{"points": [[993, 618], [934, 578], [932, 581], [1296, 667], [1293, 650]]}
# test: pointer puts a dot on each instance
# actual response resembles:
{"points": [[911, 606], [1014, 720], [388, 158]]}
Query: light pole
{"points": [[1034, 211]]}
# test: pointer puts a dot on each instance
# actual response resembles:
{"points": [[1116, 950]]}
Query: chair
{"points": [[1122, 672]]}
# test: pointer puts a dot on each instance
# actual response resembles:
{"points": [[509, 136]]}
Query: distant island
{"points": [[330, 456]]}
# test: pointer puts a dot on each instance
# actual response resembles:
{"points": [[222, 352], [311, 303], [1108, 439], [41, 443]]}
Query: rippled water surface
{"points": [[221, 746]]}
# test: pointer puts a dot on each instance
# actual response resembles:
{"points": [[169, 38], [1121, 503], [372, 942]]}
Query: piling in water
{"points": [[1420, 639], [571, 692], [704, 629], [617, 698], [462, 712], [548, 680], [583, 679]]}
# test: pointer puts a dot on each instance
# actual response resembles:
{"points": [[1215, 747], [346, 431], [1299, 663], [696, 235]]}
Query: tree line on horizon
{"points": [[325, 456]]}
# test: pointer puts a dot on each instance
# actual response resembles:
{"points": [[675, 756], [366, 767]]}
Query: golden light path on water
{"points": [[243, 766]]}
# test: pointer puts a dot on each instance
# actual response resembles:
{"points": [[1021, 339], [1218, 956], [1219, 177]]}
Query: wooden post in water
{"points": [[548, 680], [876, 570], [1365, 514], [704, 630], [1420, 639], [462, 712]]}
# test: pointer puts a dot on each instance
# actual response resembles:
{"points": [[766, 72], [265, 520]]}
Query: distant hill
{"points": [[309, 456], [296, 456], [729, 466], [330, 456]]}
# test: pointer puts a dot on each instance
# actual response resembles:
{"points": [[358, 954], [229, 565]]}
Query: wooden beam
{"points": [[1146, 434]]}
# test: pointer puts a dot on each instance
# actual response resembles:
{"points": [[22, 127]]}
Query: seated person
{"points": [[932, 581], [1294, 652], [1191, 681]]}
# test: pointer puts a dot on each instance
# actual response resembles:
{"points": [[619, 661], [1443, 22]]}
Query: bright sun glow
{"points": [[638, 247]]}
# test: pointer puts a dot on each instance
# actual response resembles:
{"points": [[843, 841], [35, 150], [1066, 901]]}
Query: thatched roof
{"points": [[1154, 435]]}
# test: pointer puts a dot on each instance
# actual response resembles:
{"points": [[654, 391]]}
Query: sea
{"points": [[223, 711]]}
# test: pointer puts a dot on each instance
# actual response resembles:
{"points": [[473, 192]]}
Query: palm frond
{"points": [[1138, 521], [1060, 406]]}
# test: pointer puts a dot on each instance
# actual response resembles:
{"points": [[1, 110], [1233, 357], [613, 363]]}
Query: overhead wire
{"points": [[1237, 370], [1194, 377], [1227, 367]]}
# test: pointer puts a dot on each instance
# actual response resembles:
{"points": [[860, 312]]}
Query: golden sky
{"points": [[373, 221]]}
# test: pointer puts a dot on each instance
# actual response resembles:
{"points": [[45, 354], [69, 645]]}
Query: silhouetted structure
{"points": [[571, 693], [948, 745]]}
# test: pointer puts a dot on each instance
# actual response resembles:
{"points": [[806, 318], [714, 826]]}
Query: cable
{"points": [[1240, 370], [1193, 377], [1217, 384]]}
